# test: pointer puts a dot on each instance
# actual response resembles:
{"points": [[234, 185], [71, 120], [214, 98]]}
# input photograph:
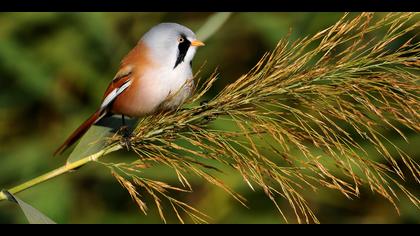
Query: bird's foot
{"points": [[207, 119], [125, 140], [204, 103]]}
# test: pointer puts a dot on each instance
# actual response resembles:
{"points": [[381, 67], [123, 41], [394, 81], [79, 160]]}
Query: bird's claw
{"points": [[125, 140]]}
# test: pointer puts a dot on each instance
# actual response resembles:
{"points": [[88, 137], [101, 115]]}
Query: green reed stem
{"points": [[59, 171]]}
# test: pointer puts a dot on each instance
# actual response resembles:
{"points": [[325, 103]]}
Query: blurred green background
{"points": [[54, 68]]}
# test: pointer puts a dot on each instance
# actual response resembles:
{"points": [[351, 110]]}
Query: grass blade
{"points": [[33, 215]]}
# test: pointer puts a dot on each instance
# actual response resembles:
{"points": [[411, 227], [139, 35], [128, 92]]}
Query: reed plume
{"points": [[298, 121]]}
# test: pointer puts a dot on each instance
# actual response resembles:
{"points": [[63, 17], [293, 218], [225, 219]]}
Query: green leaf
{"points": [[96, 138], [92, 142], [213, 23], [33, 215]]}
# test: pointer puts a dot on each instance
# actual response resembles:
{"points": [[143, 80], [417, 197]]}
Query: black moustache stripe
{"points": [[182, 51]]}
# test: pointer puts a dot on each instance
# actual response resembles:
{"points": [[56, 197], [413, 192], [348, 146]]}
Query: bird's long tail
{"points": [[79, 132]]}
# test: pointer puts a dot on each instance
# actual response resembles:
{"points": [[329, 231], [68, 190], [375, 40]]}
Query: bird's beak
{"points": [[197, 43]]}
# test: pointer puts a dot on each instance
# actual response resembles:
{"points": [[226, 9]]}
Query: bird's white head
{"points": [[171, 44]]}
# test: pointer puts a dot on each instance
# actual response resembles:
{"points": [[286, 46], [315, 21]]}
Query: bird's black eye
{"points": [[181, 39]]}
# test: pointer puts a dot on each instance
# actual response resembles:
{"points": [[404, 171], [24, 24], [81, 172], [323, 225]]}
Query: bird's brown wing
{"points": [[132, 65], [133, 62], [121, 82]]}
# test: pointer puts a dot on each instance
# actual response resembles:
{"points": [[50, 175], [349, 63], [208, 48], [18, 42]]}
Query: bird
{"points": [[156, 75]]}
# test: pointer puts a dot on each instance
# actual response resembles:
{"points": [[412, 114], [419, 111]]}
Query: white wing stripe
{"points": [[114, 93]]}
